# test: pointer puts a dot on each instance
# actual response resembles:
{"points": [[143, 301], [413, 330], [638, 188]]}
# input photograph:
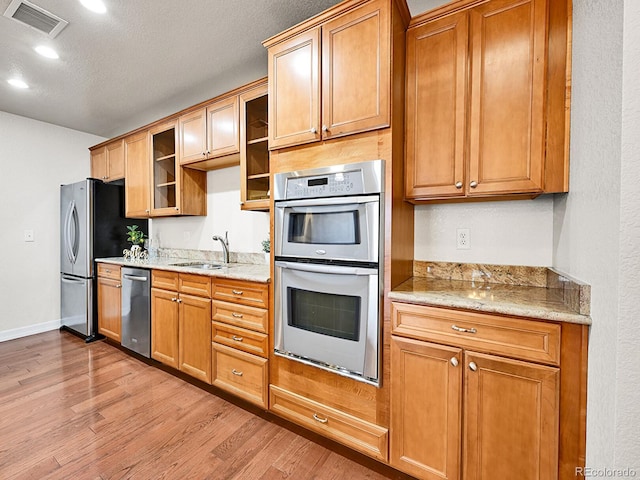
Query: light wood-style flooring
{"points": [[69, 410]]}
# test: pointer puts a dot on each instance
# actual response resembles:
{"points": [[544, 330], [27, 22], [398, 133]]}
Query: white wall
{"points": [[36, 158], [503, 233], [246, 228]]}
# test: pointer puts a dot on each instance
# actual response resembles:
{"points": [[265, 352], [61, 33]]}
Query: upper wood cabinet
{"points": [[478, 111], [331, 79], [210, 132], [137, 186], [107, 162]]}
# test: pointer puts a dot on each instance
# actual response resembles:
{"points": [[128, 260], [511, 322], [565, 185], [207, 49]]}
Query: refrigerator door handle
{"points": [[71, 232]]}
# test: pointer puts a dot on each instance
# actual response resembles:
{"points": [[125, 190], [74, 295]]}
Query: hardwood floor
{"points": [[74, 411]]}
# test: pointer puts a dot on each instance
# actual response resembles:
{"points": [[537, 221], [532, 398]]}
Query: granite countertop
{"points": [[237, 271], [555, 300]]}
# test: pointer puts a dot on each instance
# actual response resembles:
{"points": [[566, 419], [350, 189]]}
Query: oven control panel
{"points": [[330, 185]]}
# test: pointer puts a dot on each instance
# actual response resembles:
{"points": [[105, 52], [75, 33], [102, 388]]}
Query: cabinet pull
{"points": [[178, 300], [236, 315], [472, 366], [463, 330], [236, 372], [454, 361], [458, 185], [318, 419], [473, 184], [325, 128], [313, 130], [107, 270], [174, 299], [236, 338], [119, 285], [237, 292]]}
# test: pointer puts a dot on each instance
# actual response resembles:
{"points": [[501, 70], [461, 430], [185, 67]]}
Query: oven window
{"points": [[325, 313], [328, 228]]}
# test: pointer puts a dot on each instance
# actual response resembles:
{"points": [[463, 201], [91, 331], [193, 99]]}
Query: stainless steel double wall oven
{"points": [[328, 267]]}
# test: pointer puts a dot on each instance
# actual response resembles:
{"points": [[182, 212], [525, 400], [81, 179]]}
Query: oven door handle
{"points": [[321, 202], [320, 268]]}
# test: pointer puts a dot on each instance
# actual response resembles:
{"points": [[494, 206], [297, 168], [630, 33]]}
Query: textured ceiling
{"points": [[143, 59]]}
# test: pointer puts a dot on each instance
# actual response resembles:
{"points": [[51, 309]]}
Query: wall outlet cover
{"points": [[463, 239]]}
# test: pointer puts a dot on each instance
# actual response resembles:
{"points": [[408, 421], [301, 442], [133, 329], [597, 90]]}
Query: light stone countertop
{"points": [[237, 271], [518, 300]]}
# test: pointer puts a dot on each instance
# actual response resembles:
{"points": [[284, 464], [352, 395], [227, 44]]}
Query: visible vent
{"points": [[35, 17]]}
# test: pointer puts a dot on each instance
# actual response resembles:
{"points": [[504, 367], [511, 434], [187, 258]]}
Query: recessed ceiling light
{"points": [[16, 82], [94, 5], [46, 51]]}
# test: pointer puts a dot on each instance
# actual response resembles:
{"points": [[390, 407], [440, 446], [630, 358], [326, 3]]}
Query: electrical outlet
{"points": [[28, 235], [463, 239]]}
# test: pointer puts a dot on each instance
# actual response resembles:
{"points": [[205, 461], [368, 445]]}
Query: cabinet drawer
{"points": [[514, 337], [164, 280], [240, 338], [240, 315], [237, 291], [240, 373], [363, 436], [199, 285], [107, 270]]}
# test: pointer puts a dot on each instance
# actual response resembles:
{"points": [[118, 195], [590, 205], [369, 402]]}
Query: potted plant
{"points": [[136, 237], [266, 248]]}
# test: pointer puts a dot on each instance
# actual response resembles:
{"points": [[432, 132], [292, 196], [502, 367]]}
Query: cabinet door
{"points": [[507, 140], [436, 108], [294, 90], [164, 327], [165, 171], [99, 163], [511, 419], [115, 160], [193, 136], [356, 71], [109, 308], [137, 190], [222, 128], [195, 336], [426, 388]]}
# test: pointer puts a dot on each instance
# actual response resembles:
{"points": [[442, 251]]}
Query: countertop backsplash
{"points": [[213, 256]]}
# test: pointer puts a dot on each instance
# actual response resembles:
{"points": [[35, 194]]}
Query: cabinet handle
{"points": [[208, 152], [177, 208], [204, 154], [454, 361], [237, 292], [473, 184], [473, 367], [313, 130], [463, 330], [118, 286], [147, 210], [237, 339], [107, 270], [178, 300], [236, 372], [174, 299], [318, 419], [458, 185], [325, 128], [236, 315]]}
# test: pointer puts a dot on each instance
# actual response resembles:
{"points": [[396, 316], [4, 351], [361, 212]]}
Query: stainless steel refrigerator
{"points": [[92, 225]]}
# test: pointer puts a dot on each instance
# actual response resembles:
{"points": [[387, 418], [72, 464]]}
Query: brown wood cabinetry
{"points": [[181, 322], [107, 162], [137, 188], [331, 79], [464, 400], [109, 301], [239, 348], [479, 100]]}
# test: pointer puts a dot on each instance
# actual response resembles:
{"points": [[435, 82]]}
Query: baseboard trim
{"points": [[29, 330]]}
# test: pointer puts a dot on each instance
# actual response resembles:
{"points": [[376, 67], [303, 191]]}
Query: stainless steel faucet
{"points": [[225, 245]]}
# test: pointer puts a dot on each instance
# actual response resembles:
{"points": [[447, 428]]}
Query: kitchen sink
{"points": [[202, 265]]}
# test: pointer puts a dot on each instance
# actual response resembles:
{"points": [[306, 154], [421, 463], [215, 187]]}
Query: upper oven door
{"points": [[337, 228]]}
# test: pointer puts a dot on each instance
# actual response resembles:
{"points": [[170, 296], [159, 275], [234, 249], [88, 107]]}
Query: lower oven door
{"points": [[327, 316]]}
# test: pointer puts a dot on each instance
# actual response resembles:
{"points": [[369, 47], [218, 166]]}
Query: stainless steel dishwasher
{"points": [[136, 311]]}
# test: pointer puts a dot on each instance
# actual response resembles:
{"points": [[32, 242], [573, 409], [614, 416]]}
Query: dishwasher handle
{"points": [[136, 278]]}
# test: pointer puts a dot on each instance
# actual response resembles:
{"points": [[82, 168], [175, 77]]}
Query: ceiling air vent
{"points": [[35, 17]]}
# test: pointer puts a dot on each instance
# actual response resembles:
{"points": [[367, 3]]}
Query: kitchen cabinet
{"points": [[137, 188], [109, 301], [175, 190], [332, 79], [255, 185], [210, 132], [239, 339], [107, 162], [478, 108], [181, 322], [474, 393]]}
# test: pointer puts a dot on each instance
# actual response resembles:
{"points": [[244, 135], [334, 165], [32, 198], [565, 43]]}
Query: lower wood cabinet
{"points": [[240, 373], [109, 301]]}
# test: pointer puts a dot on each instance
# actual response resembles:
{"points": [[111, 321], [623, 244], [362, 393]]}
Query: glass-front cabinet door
{"points": [[165, 184]]}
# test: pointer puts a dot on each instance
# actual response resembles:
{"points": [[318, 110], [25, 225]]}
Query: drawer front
{"points": [[363, 436], [514, 337], [240, 315], [164, 280], [237, 291], [240, 373], [199, 285], [240, 338], [107, 270]]}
